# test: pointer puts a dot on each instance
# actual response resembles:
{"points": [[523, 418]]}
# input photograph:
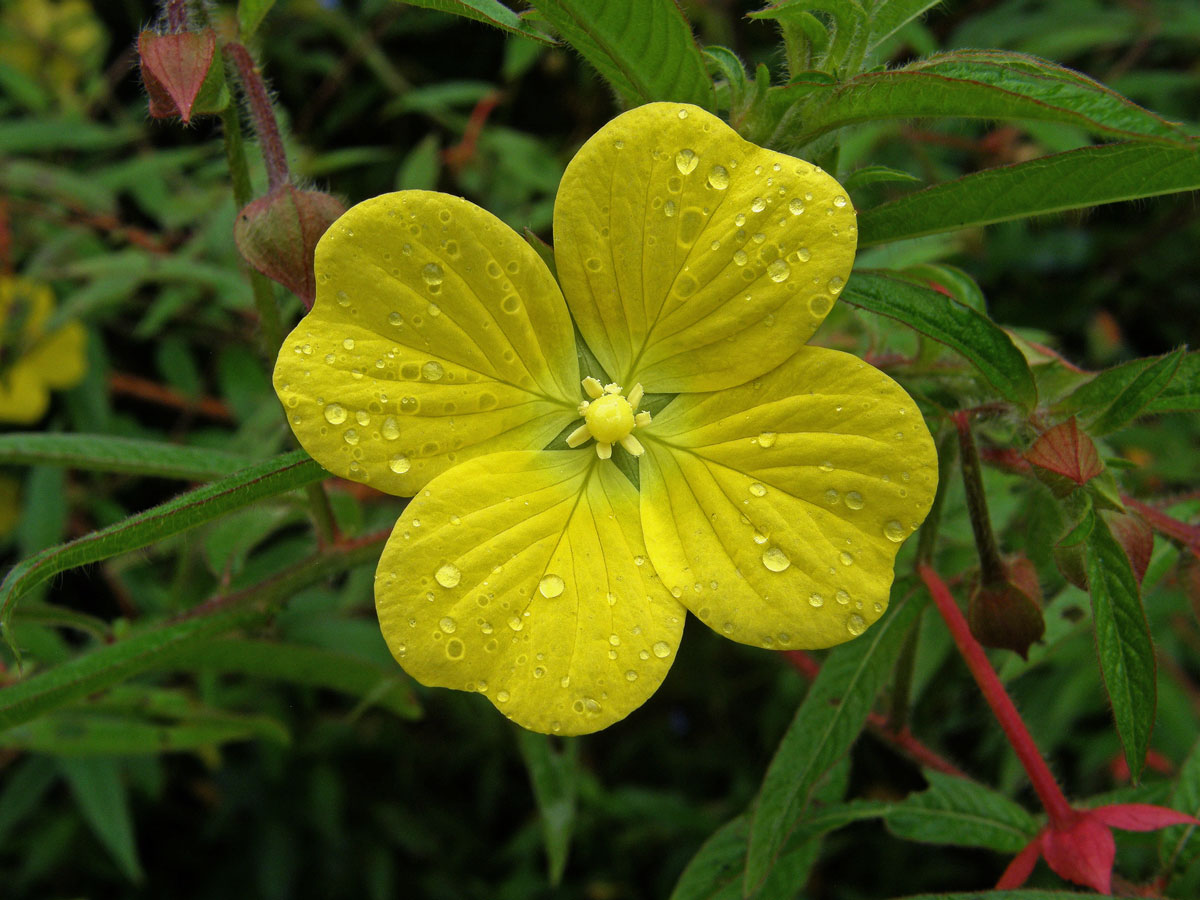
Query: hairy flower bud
{"points": [[182, 73], [277, 234], [1008, 615], [1064, 458]]}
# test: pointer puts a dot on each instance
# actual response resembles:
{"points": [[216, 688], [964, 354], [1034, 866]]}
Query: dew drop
{"points": [[836, 284], [819, 305], [448, 625], [796, 206], [718, 178], [893, 531], [432, 274], [758, 205], [815, 600], [502, 696], [856, 624], [832, 496], [846, 558], [854, 500], [409, 404], [448, 576], [775, 559], [842, 597], [779, 270], [510, 304], [631, 675], [335, 414], [515, 623], [661, 649], [551, 586], [343, 298], [593, 264], [399, 464], [389, 430], [350, 437], [669, 209], [493, 269], [454, 650], [839, 201], [538, 671], [740, 257], [686, 161], [432, 371], [758, 490]]}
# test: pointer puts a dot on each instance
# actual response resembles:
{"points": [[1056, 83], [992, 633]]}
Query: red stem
{"points": [[177, 16], [1051, 795], [1186, 534], [262, 114]]}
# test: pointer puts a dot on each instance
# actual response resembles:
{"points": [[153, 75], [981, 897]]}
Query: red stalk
{"points": [[1048, 791], [262, 114]]}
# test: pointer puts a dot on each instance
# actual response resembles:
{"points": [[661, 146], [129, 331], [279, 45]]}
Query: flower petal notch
{"points": [[34, 360], [524, 576], [691, 259], [775, 510], [437, 336]]}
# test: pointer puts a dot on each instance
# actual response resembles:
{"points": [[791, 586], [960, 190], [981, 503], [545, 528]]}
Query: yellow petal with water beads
{"points": [[523, 576], [691, 259], [437, 335], [789, 541]]}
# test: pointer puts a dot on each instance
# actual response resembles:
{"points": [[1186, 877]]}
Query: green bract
{"points": [[439, 361]]}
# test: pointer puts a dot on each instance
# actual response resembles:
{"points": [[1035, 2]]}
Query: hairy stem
{"points": [[261, 113], [1010, 720], [990, 564]]}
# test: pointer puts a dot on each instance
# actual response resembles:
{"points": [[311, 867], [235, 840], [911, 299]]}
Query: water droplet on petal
{"points": [[448, 625], [836, 283], [796, 206], [842, 597], [448, 576], [893, 531], [779, 270], [832, 496], [740, 257], [502, 696], [758, 205], [551, 586], [661, 649], [839, 201], [718, 178], [350, 437], [686, 161], [432, 371], [767, 439], [854, 500], [454, 650], [815, 600], [846, 558], [343, 298], [758, 490], [775, 559], [389, 430], [335, 414], [856, 624], [432, 274]]}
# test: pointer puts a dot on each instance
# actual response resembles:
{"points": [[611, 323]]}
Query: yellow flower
{"points": [[33, 360], [772, 493]]}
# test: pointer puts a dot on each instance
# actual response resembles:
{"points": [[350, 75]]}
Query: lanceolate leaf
{"points": [[1181, 394], [1071, 180], [102, 453], [980, 84], [889, 16], [88, 734], [113, 663], [1138, 394], [825, 727], [963, 813], [947, 321], [387, 687], [490, 12], [1123, 643], [1180, 844], [266, 479], [554, 779], [645, 50], [104, 802]]}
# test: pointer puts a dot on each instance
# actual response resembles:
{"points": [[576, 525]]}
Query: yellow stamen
{"points": [[603, 450], [632, 445], [579, 436], [593, 387], [635, 395]]}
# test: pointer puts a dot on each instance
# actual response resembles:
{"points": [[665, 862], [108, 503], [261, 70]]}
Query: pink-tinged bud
{"points": [[1135, 537], [277, 234], [174, 69], [1008, 615], [1064, 458]]}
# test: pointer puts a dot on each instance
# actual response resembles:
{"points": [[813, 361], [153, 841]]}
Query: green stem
{"points": [[322, 513], [990, 564], [929, 530], [239, 174]]}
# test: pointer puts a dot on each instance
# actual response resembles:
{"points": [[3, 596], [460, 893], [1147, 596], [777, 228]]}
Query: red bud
{"points": [[174, 68], [1135, 537], [1009, 615], [278, 233], [1067, 452], [1083, 852]]}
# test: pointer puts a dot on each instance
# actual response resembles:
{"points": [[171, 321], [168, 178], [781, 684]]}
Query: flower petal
{"points": [[60, 358], [777, 508], [691, 259], [437, 335], [23, 394], [523, 575]]}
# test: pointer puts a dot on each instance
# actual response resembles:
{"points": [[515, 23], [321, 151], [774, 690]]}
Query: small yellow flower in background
{"points": [[32, 360], [56, 43], [774, 490]]}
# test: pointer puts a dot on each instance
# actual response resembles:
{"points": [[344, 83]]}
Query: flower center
{"points": [[610, 417]]}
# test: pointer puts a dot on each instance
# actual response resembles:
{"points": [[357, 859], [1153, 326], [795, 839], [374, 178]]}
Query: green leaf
{"points": [[84, 734], [41, 135], [825, 727], [100, 793], [963, 813], [113, 663], [1123, 643], [101, 453], [38, 179], [860, 178], [1181, 394], [490, 12], [980, 84], [555, 786], [932, 313], [1138, 394], [726, 64], [1178, 845], [1071, 180], [25, 784], [284, 473], [250, 15], [889, 16], [386, 687], [645, 50], [419, 171]]}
